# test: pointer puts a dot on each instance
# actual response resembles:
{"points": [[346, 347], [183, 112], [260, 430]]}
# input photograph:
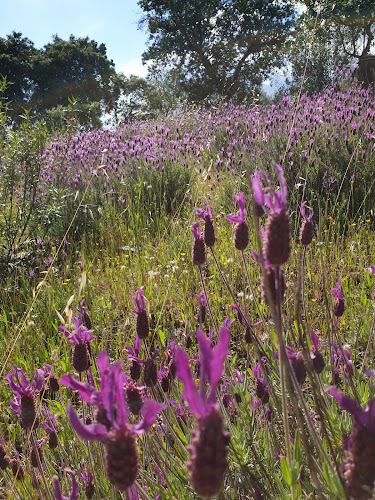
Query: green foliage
{"points": [[352, 20], [219, 49], [41, 80], [20, 165]]}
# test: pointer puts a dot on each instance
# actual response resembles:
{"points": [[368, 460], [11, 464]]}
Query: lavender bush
{"points": [[139, 392]]}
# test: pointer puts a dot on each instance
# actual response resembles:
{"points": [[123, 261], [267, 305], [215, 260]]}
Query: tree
{"points": [[344, 34], [220, 48], [77, 68], [16, 56], [319, 52], [353, 21], [41, 80], [145, 98]]}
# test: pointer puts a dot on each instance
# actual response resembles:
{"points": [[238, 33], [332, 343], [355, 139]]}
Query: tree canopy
{"points": [[221, 48], [353, 21], [41, 80]]}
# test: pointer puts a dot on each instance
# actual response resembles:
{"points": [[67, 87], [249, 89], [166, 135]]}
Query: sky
{"points": [[112, 22]]}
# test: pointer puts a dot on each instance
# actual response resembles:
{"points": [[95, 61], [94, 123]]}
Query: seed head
{"points": [[317, 361], [357, 470], [143, 326], [307, 232], [35, 452], [54, 384], [17, 470], [53, 441], [299, 367], [209, 233], [209, 230], [339, 307]]}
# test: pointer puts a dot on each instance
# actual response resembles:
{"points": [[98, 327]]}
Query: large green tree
{"points": [[344, 34], [41, 80], [220, 48], [352, 20], [16, 59]]}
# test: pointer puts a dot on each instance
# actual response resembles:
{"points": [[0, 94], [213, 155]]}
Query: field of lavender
{"points": [[187, 304]]}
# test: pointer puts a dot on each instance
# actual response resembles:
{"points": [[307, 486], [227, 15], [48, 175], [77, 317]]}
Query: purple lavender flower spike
{"points": [[357, 470], [209, 230], [208, 452], [143, 326], [339, 305], [117, 434], [87, 478], [81, 338], [307, 228], [75, 489], [316, 355], [23, 403], [198, 252], [241, 230]]}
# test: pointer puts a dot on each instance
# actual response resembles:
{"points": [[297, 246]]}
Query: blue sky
{"points": [[112, 22]]}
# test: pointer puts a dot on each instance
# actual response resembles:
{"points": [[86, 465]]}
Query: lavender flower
{"points": [[297, 362], [357, 470], [339, 305], [4, 459], [143, 327], [277, 230], [23, 403], [245, 320], [209, 230], [51, 378], [316, 355], [307, 229], [87, 478], [241, 230], [135, 368], [198, 251], [81, 338], [201, 313], [261, 388], [208, 452], [118, 437], [75, 490]]}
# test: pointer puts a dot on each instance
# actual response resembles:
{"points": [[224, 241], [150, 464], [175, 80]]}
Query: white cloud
{"points": [[134, 67]]}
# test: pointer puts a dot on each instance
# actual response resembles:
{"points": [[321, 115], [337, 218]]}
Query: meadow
{"points": [[187, 304]]}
